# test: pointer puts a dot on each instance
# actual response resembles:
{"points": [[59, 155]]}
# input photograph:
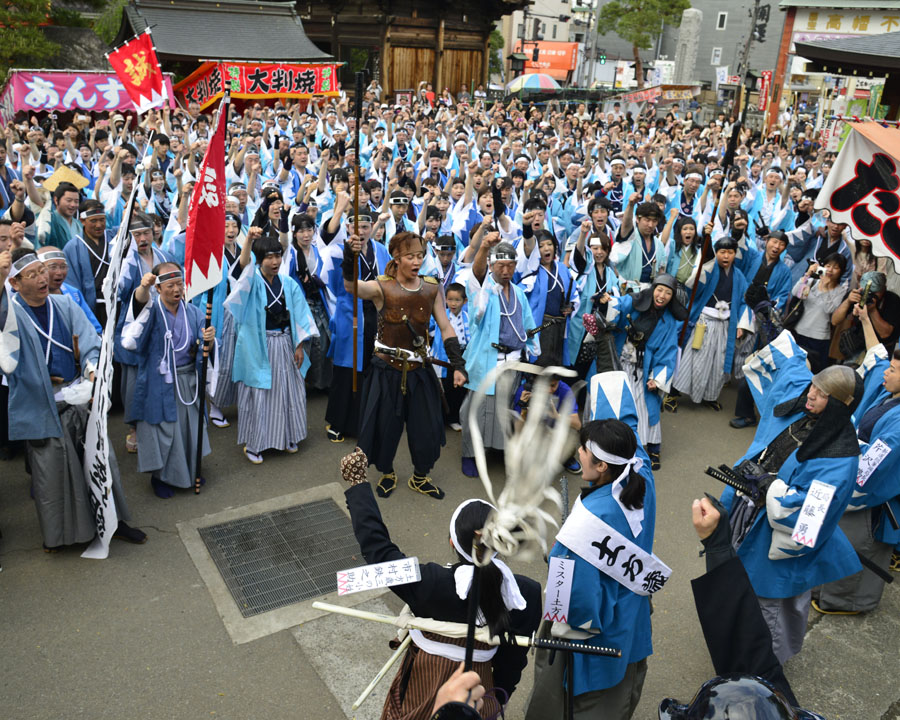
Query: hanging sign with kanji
{"points": [[137, 67], [863, 188], [253, 80]]}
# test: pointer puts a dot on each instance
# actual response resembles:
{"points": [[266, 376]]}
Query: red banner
{"points": [[205, 237], [252, 80], [137, 67]]}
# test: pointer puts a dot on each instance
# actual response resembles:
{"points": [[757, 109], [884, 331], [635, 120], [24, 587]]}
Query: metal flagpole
{"points": [[204, 364]]}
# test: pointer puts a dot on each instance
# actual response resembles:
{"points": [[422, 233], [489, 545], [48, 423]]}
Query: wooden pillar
{"points": [[386, 69], [335, 48], [439, 60], [485, 61]]}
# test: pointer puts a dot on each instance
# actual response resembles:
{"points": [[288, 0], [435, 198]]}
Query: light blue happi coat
{"points": [[777, 566], [32, 408], [247, 304], [484, 326], [615, 615]]}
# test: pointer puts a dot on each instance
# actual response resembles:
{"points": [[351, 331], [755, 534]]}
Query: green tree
{"points": [[638, 22], [495, 58], [107, 24], [21, 41]]}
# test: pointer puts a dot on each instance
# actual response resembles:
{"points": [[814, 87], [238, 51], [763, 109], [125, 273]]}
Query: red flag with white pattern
{"points": [[205, 239], [137, 66]]}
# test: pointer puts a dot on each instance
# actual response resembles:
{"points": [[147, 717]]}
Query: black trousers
{"points": [[385, 410]]}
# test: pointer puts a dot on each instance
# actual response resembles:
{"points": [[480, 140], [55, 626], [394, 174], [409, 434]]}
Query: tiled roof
{"points": [[221, 30]]}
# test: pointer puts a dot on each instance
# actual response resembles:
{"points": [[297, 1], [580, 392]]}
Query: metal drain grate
{"points": [[282, 557]]}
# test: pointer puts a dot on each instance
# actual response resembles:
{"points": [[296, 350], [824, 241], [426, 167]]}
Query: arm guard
{"points": [[454, 355], [348, 262]]}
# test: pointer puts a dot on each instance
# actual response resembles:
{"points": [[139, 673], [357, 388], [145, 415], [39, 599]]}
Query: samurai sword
{"points": [[732, 481], [482, 634]]}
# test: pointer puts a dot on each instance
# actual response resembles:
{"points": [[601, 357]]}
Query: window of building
{"points": [[543, 28], [522, 30], [716, 58], [554, 31], [721, 21]]}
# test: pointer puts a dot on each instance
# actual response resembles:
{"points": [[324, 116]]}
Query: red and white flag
{"points": [[863, 188], [205, 238], [136, 65]]}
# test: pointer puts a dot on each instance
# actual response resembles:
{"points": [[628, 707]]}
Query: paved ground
{"points": [[139, 635]]}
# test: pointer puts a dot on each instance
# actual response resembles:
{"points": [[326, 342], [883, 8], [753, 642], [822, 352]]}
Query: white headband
{"points": [[616, 161], [23, 262], [53, 255], [635, 517], [695, 176], [509, 589]]}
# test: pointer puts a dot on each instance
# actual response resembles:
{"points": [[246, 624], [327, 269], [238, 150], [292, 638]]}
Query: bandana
{"points": [[93, 212], [635, 517], [171, 275], [695, 176], [23, 262], [53, 255]]}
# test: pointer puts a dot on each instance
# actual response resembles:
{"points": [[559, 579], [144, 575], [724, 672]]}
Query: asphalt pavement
{"points": [[143, 633]]}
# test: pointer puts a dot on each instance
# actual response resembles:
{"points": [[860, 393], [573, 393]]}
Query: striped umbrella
{"points": [[533, 82]]}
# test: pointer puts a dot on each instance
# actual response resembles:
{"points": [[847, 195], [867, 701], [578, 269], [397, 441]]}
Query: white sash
{"points": [[456, 653], [613, 554]]}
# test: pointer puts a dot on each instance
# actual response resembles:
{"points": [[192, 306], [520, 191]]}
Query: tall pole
{"points": [[358, 114]]}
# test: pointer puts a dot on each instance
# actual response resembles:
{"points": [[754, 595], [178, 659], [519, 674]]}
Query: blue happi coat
{"points": [[484, 326], [133, 270], [660, 352], [588, 287], [777, 566], [740, 313], [32, 408], [614, 615], [536, 285], [341, 326], [78, 258], [883, 484], [247, 304], [155, 400], [748, 259]]}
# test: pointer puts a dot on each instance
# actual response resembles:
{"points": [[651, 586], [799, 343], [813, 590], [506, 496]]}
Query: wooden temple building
{"points": [[403, 42]]}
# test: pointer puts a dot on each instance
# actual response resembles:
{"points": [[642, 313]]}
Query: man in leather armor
{"points": [[402, 388]]}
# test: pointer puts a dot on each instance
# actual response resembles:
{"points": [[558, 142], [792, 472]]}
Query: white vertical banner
{"points": [[96, 440]]}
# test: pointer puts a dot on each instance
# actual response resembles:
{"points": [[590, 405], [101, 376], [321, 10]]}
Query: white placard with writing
{"points": [[559, 589], [869, 462], [378, 575], [813, 512]]}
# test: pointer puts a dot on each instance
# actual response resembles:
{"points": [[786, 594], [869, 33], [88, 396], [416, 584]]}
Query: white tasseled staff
{"points": [[533, 457]]}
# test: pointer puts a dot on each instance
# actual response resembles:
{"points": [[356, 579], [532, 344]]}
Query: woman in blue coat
{"points": [[647, 344]]}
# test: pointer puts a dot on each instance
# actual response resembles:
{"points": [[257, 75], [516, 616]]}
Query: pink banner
{"points": [[34, 91]]}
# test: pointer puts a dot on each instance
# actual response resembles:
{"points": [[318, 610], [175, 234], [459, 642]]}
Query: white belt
{"points": [[456, 653], [513, 356], [405, 354]]}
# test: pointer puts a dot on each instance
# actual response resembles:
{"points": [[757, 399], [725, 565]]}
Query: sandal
{"points": [[253, 457], [131, 443], [333, 435], [654, 461], [425, 486], [895, 562], [714, 404], [670, 403], [815, 606], [386, 485]]}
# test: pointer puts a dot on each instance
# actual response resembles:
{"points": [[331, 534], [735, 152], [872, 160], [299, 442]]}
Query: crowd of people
{"points": [[413, 255]]}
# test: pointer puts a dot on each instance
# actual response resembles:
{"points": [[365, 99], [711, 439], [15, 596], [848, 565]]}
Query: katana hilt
{"points": [[733, 480], [579, 647]]}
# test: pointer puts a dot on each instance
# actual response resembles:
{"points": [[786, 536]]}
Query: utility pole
{"points": [[745, 57]]}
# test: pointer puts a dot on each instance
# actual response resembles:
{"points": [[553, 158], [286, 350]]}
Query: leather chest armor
{"points": [[402, 309]]}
